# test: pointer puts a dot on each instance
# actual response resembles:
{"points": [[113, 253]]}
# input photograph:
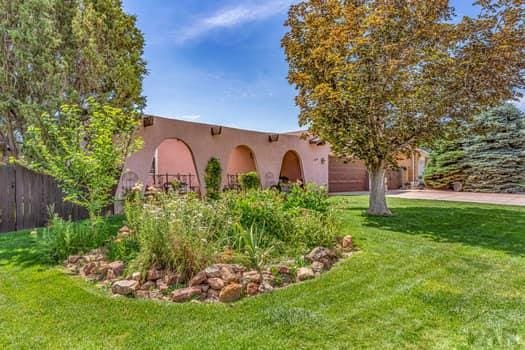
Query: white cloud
{"points": [[232, 16]]}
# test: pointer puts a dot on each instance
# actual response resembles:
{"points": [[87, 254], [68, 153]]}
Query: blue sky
{"points": [[220, 61]]}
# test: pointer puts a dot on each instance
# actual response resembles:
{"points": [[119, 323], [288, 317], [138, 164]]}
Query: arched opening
{"points": [[241, 161], [291, 170], [174, 167]]}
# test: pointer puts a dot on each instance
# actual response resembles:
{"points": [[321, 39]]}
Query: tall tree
{"points": [[65, 51], [495, 158], [445, 166], [375, 78], [31, 73]]}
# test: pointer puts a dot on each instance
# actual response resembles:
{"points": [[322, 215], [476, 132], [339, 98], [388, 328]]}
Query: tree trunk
{"points": [[377, 204]]}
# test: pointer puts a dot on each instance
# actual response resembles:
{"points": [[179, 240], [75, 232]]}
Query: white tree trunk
{"points": [[377, 205]]}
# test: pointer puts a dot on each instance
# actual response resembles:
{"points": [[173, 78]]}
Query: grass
{"points": [[437, 275]]}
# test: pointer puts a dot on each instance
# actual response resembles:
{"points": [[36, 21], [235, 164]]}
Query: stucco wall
{"points": [[198, 137], [241, 161]]}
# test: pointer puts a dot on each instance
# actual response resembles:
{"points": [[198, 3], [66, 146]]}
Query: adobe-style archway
{"points": [[174, 160], [241, 161], [291, 168]]}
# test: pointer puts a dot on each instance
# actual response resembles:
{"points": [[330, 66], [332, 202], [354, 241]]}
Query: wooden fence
{"points": [[26, 198]]}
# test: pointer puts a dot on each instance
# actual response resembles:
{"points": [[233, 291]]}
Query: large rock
{"points": [[185, 294], [198, 279], [324, 255], [230, 293], [305, 273], [117, 267], [215, 283], [124, 287]]}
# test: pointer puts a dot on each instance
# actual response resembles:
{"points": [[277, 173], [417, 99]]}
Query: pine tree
{"points": [[445, 165], [495, 158]]}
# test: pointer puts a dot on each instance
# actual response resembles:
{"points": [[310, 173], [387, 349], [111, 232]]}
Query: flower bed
{"points": [[179, 247]]}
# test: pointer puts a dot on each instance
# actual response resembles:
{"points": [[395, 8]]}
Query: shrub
{"points": [[65, 237], [212, 178], [312, 197], [249, 181]]}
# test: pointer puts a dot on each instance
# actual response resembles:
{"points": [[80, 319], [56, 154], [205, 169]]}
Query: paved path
{"points": [[491, 198]]}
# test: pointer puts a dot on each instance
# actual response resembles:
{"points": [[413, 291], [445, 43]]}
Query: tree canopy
{"points": [[54, 52], [376, 78]]}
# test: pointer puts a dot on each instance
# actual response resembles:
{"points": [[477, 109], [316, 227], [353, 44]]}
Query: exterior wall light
{"points": [[273, 138], [216, 130]]}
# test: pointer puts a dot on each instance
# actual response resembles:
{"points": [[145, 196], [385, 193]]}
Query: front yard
{"points": [[436, 275]]}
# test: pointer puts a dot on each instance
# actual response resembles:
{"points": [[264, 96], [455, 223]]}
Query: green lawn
{"points": [[436, 275]]}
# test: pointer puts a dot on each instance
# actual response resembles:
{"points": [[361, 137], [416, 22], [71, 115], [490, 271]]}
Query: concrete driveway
{"points": [[490, 198]]}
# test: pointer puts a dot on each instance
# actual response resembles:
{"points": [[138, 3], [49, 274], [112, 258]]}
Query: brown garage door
{"points": [[346, 176]]}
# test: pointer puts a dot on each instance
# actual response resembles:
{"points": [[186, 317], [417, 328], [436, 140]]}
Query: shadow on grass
{"points": [[492, 228], [22, 249]]}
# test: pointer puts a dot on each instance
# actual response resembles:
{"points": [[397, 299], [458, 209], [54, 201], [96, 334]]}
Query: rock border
{"points": [[217, 283]]}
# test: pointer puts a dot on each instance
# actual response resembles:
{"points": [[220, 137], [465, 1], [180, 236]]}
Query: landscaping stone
{"points": [[199, 278], [204, 287], [265, 287], [185, 294], [154, 274], [215, 283], [137, 276], [230, 293], [324, 255], [347, 243], [117, 267], [73, 259], [251, 276], [171, 278], [148, 285], [161, 285], [124, 287], [252, 288], [142, 294], [317, 267], [89, 268], [305, 273], [212, 294], [213, 271], [229, 275]]}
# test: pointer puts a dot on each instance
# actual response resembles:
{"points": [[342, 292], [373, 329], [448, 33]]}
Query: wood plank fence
{"points": [[26, 198]]}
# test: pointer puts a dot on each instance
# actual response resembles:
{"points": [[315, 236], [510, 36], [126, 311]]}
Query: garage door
{"points": [[347, 176], [394, 179]]}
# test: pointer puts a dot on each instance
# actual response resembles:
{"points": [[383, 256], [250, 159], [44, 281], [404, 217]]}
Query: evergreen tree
{"points": [[445, 165], [65, 51], [495, 158]]}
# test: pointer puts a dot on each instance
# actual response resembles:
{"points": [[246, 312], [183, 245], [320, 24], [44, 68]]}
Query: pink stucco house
{"points": [[181, 149]]}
